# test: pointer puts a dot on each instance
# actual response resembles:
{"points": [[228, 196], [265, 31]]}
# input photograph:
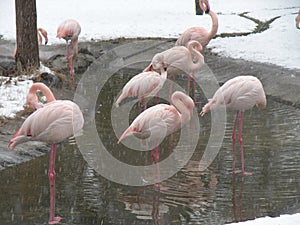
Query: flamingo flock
{"points": [[57, 120]]}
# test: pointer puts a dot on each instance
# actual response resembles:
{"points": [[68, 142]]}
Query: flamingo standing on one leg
{"points": [[178, 58], [144, 85], [70, 30], [297, 19], [199, 34], [53, 123], [40, 34], [240, 93], [161, 120]]}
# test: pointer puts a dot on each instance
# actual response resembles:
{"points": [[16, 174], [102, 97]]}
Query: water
{"points": [[215, 196]]}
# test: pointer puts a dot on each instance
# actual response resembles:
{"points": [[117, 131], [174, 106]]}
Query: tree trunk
{"points": [[198, 9], [27, 52]]}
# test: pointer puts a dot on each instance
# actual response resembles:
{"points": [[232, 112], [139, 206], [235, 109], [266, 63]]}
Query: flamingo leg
{"points": [[51, 175], [241, 143], [155, 159], [171, 87], [189, 83], [233, 138], [194, 86]]}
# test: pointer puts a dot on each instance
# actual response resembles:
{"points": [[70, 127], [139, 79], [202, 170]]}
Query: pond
{"points": [[212, 196]]}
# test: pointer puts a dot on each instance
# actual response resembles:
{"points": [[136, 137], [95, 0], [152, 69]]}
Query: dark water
{"points": [[214, 196]]}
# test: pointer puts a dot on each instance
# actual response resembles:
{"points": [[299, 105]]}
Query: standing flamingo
{"points": [[200, 34], [40, 34], [144, 85], [70, 30], [161, 120], [53, 123], [240, 93], [298, 20], [179, 58]]}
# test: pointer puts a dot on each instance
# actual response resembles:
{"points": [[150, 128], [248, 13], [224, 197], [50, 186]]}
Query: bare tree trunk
{"points": [[198, 9], [27, 55]]}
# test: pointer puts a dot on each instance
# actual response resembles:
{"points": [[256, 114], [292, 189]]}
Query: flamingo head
{"points": [[204, 5]]}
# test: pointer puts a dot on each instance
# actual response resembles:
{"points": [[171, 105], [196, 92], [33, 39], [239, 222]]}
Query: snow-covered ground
{"points": [[282, 220], [103, 19]]}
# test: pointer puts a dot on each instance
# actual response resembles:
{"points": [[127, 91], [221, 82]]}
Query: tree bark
{"points": [[198, 9], [27, 52]]}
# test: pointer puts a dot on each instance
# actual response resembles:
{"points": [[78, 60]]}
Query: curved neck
{"points": [[163, 73], [198, 57], [215, 24], [43, 88], [184, 105]]}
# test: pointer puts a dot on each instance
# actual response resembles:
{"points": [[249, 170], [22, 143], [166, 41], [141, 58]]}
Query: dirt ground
{"points": [[281, 84]]}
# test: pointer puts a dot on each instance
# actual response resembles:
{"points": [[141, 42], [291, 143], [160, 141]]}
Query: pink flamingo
{"points": [[298, 20], [144, 85], [40, 34], [240, 93], [200, 34], [70, 30], [52, 123], [179, 58], [161, 120]]}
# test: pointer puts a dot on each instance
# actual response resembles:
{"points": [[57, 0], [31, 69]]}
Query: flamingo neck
{"points": [[184, 104], [43, 88], [198, 59], [215, 24]]}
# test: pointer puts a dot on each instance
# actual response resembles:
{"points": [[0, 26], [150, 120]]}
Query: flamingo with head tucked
{"points": [[70, 30], [179, 58], [51, 123], [240, 93], [144, 86], [161, 120]]}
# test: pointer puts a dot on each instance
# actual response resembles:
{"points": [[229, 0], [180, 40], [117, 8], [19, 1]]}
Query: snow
{"points": [[282, 220], [13, 95]]}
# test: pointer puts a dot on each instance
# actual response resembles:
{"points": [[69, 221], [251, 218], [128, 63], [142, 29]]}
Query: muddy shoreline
{"points": [[280, 84]]}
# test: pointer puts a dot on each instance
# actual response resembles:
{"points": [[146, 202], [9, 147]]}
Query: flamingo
{"points": [[240, 93], [52, 123], [144, 85], [200, 34], [161, 120], [179, 58], [41, 33], [298, 20], [70, 30]]}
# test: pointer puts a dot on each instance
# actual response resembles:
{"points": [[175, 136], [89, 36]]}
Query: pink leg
{"points": [[171, 87], [155, 160], [194, 86], [233, 141], [189, 83], [241, 144], [51, 175]]}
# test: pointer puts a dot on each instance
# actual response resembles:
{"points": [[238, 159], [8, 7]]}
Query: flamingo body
{"points": [[52, 124], [240, 93], [179, 58], [161, 120], [69, 30], [143, 85]]}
